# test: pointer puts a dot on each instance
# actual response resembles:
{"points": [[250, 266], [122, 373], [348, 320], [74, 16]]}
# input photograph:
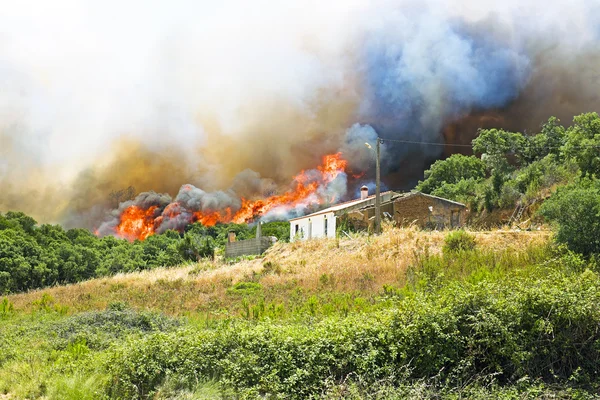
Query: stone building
{"points": [[423, 210]]}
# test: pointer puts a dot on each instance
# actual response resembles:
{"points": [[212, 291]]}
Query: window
{"points": [[296, 230], [325, 226]]}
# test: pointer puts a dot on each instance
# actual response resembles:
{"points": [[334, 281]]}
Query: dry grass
{"points": [[359, 265]]}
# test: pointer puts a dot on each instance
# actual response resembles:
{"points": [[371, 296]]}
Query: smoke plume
{"points": [[102, 101]]}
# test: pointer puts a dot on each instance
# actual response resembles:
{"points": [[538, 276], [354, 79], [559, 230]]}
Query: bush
{"points": [[244, 288], [98, 329], [576, 210], [458, 241], [543, 326]]}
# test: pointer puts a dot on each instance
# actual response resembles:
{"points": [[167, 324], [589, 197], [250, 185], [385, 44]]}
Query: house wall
{"points": [[415, 209], [313, 227]]}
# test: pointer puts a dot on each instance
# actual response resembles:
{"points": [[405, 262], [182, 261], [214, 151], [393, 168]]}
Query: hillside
{"points": [[408, 314], [358, 267]]}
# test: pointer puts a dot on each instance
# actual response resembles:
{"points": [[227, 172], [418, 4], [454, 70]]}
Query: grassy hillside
{"points": [[409, 314], [287, 276]]}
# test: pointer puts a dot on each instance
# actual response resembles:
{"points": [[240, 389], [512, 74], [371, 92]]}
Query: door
{"points": [[455, 218]]}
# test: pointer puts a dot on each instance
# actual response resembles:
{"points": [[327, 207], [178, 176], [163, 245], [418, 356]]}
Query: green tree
{"points": [[48, 234], [161, 250], [194, 247], [583, 143], [25, 221], [549, 141], [452, 170], [279, 229], [464, 190], [497, 145]]}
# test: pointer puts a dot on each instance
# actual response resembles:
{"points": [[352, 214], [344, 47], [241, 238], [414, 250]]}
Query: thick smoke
{"points": [[237, 97], [144, 200], [160, 212]]}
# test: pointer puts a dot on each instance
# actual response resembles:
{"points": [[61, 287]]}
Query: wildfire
{"points": [[138, 223]]}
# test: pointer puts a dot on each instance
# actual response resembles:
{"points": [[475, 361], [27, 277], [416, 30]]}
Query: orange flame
{"points": [[137, 223]]}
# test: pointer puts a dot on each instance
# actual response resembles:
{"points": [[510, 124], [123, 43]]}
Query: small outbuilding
{"points": [[423, 210]]}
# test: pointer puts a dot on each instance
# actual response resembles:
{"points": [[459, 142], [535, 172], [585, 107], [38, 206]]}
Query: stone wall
{"points": [[255, 246]]}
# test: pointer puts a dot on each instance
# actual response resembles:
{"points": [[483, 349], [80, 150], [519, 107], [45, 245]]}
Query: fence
{"points": [[247, 247]]}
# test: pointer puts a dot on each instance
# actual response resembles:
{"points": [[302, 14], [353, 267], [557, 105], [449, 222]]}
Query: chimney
{"points": [[364, 192], [231, 237]]}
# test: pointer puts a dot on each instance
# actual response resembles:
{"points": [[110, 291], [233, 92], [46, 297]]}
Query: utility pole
{"points": [[377, 185], [378, 190]]}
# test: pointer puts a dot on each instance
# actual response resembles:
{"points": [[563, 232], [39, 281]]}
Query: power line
{"points": [[426, 143], [471, 146]]}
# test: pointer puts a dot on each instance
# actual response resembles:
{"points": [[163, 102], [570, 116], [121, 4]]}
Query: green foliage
{"points": [[244, 288], [576, 210], [6, 308], [451, 171], [459, 241], [466, 324], [583, 142], [278, 229], [99, 329], [515, 167], [194, 247], [34, 256], [77, 387], [462, 191], [541, 325], [49, 355], [496, 146], [549, 141]]}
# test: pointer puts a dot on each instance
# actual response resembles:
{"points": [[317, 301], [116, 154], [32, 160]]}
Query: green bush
{"points": [[458, 241], [543, 325], [6, 308], [244, 288], [99, 329], [576, 210]]}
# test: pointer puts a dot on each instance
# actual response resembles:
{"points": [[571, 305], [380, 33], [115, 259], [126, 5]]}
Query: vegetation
{"points": [[510, 167], [508, 318], [459, 241], [33, 256], [291, 278], [576, 210]]}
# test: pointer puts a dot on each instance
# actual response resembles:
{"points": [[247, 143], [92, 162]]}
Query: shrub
{"points": [[6, 308], [244, 288], [542, 326], [98, 329], [458, 241], [576, 210]]}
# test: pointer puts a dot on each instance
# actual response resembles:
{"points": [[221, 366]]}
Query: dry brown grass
{"points": [[362, 264]]}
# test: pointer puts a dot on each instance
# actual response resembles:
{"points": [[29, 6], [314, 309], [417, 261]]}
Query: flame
{"points": [[138, 223]]}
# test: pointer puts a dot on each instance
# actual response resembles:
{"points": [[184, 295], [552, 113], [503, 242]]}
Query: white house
{"points": [[323, 223]]}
